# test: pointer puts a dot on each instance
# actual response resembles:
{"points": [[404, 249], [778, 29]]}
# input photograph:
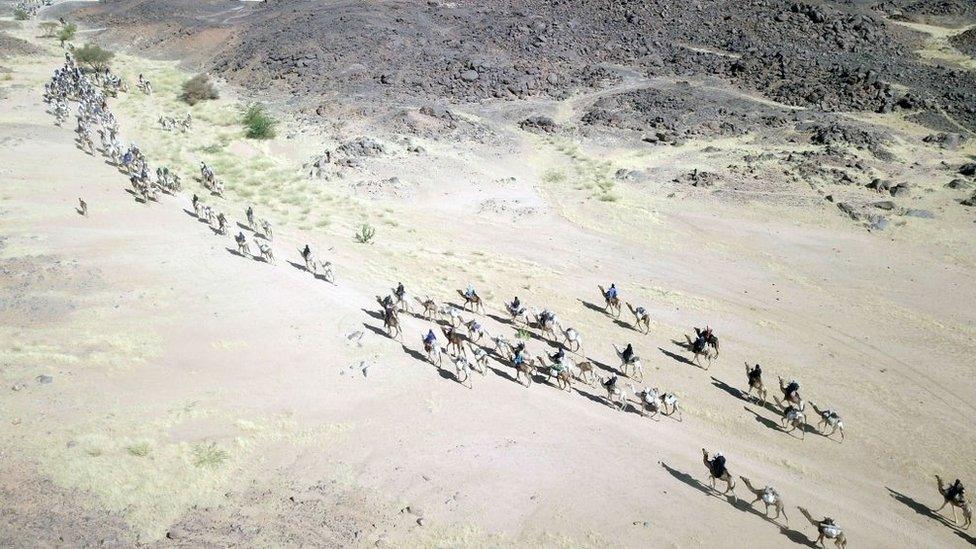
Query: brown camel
{"points": [[429, 307], [480, 358], [453, 340], [826, 529], [754, 375], [794, 418], [435, 354], [769, 496], [791, 392], [563, 376], [954, 495], [717, 470], [641, 318], [710, 353], [474, 300], [392, 324], [587, 374], [612, 305], [525, 369]]}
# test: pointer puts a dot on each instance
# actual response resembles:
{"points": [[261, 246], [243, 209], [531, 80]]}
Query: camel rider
{"points": [[250, 215], [545, 316], [470, 293], [792, 390], [306, 253], [612, 292], [475, 326], [641, 311], [387, 302], [956, 492], [430, 338], [196, 200], [699, 345], [755, 374], [610, 383], [518, 348], [829, 527], [519, 358], [400, 290], [628, 354], [718, 465], [557, 359], [515, 305]]}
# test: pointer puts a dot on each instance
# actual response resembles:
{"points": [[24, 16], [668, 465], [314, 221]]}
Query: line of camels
{"points": [[463, 336], [560, 370]]}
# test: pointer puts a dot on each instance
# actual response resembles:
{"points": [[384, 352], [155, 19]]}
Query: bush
{"points": [[197, 89], [67, 33], [48, 28], [258, 122], [95, 57], [20, 14], [365, 234]]}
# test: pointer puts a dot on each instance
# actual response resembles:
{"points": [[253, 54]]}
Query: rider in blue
{"points": [[612, 292], [430, 338]]}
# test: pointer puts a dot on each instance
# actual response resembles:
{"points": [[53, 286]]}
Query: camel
{"points": [[452, 314], [475, 330], [701, 348], [392, 324], [429, 307], [794, 418], [587, 374], [829, 418], [641, 318], [324, 267], [614, 393], [266, 253], [402, 301], [573, 338], [242, 245], [612, 305], [769, 496], [562, 372], [717, 470], [474, 300], [461, 365], [634, 362], [221, 223], [453, 340], [266, 229], [82, 207], [791, 392], [826, 529], [515, 311], [955, 496], [656, 402], [754, 375], [502, 345], [435, 353], [480, 358], [524, 368], [545, 320]]}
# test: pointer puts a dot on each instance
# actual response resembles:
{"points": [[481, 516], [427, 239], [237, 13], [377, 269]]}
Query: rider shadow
{"points": [[594, 307], [374, 315], [138, 198], [677, 357], [498, 319], [626, 325], [413, 353], [192, 214], [303, 268], [605, 367], [768, 423], [504, 374], [729, 389], [377, 331], [243, 227]]}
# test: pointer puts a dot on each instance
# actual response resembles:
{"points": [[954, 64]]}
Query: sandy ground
{"points": [[199, 397]]}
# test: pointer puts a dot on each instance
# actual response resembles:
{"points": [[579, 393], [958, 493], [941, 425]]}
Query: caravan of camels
{"points": [[459, 336]]}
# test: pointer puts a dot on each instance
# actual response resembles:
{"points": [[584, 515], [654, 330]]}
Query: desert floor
{"points": [[196, 396]]}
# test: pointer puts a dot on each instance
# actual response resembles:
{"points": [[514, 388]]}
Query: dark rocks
{"points": [[880, 185], [538, 123], [44, 379], [361, 147], [921, 214], [968, 169], [945, 140], [469, 76], [699, 178], [884, 205], [959, 184], [849, 210]]}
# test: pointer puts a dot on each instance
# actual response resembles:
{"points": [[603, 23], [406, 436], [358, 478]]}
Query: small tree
{"points": [[258, 122], [47, 28], [20, 14], [365, 234], [197, 89], [94, 56], [67, 33]]}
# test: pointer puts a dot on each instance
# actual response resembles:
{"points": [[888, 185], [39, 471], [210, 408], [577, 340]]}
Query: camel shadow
{"points": [[136, 195], [729, 389], [683, 344], [192, 214], [605, 367], [414, 354], [243, 226], [374, 314], [766, 422], [79, 212], [595, 307], [498, 319], [677, 357], [626, 325], [379, 331], [928, 512], [316, 276]]}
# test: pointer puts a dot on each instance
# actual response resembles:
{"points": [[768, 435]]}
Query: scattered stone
{"points": [[44, 379], [885, 205], [945, 140], [469, 76], [18, 387], [538, 123], [849, 210], [698, 178], [968, 169], [899, 190], [361, 147], [922, 214], [959, 184]]}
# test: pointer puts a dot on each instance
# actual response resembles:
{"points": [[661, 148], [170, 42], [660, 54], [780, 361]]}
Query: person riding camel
{"points": [[306, 252], [717, 465], [956, 492], [519, 358], [611, 292], [387, 302], [470, 293], [628, 354], [400, 290], [430, 338], [515, 305], [754, 374], [518, 348], [557, 359], [610, 383]]}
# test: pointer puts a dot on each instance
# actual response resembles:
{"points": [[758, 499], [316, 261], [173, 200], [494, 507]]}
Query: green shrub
{"points": [[365, 234], [94, 56], [258, 123], [20, 14], [67, 33], [197, 89]]}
